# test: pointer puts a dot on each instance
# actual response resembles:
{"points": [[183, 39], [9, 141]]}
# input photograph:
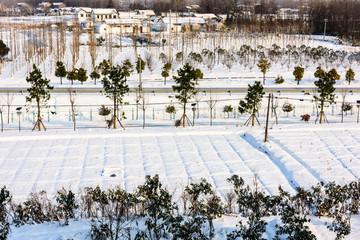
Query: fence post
{"points": [[332, 110], [69, 116], [294, 111], [153, 113], [48, 115], [132, 113], [90, 115]]}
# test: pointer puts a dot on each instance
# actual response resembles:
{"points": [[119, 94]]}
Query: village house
{"points": [[144, 14], [127, 14], [191, 8], [82, 14], [56, 8], [118, 26], [288, 14], [178, 24], [57, 5], [68, 10], [139, 14], [100, 14]]}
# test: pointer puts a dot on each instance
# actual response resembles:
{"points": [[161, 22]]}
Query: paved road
{"points": [[168, 89]]}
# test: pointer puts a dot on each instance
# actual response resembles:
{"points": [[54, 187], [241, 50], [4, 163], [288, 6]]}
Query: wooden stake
{"points": [[267, 120]]}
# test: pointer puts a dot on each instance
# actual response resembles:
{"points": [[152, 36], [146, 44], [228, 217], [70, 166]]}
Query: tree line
{"points": [[115, 86], [118, 214]]}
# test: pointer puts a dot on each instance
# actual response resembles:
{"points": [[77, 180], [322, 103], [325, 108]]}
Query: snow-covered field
{"points": [[300, 155]]}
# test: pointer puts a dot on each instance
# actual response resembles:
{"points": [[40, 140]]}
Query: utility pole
{"points": [[140, 83], [170, 39], [267, 119], [358, 107], [325, 21]]}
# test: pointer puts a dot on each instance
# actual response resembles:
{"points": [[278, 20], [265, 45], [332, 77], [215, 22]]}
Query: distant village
{"points": [[112, 21]]}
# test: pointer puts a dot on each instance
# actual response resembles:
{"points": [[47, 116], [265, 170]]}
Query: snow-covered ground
{"points": [[80, 230], [300, 155]]}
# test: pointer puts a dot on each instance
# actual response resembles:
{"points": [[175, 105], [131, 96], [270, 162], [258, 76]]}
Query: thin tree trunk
{"points": [[114, 113], [73, 116], [8, 113], [264, 78], [253, 119], [2, 122], [321, 112], [184, 115], [39, 116]]}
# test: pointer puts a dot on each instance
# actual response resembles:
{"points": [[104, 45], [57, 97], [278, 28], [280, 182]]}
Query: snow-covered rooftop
{"points": [[122, 21], [205, 16], [184, 21], [128, 14], [85, 9], [146, 12], [104, 10], [57, 3]]}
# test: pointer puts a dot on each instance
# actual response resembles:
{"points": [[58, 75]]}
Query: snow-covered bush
{"points": [[4, 215]]}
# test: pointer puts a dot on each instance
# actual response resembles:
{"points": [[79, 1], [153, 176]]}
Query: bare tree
{"points": [[92, 49], [1, 115], [72, 105], [143, 104], [137, 100], [211, 102], [197, 98], [9, 99], [150, 61], [229, 60], [75, 45]]}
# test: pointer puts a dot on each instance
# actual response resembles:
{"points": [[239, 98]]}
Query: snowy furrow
{"points": [[49, 161]]}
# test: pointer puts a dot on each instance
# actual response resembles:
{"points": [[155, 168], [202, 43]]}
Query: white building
{"points": [[178, 24], [206, 16], [100, 14], [144, 14], [118, 26], [82, 14]]}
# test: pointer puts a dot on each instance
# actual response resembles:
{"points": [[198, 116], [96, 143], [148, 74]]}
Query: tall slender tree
{"points": [[38, 92], [350, 75], [325, 88], [185, 86], [165, 72], [115, 87], [81, 75], [252, 101], [60, 70], [298, 73], [264, 65], [4, 50], [72, 75], [94, 75]]}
